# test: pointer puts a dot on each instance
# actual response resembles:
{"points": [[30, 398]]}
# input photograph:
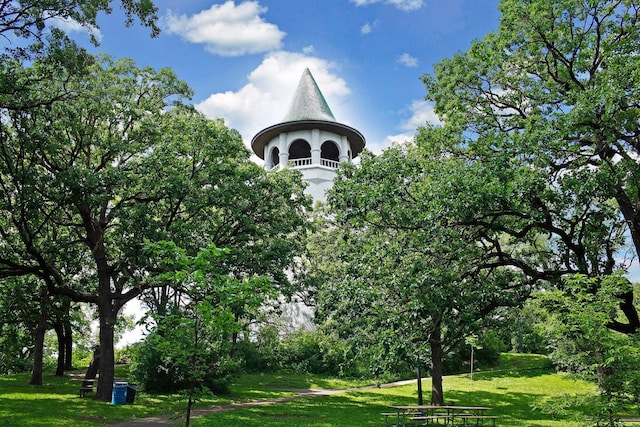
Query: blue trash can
{"points": [[119, 394]]}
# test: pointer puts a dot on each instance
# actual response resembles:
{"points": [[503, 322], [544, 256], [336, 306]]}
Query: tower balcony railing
{"points": [[306, 161], [330, 163]]}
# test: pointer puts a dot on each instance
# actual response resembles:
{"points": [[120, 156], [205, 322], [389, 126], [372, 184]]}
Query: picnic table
{"points": [[447, 415]]}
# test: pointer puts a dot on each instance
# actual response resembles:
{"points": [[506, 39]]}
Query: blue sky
{"points": [[244, 58]]}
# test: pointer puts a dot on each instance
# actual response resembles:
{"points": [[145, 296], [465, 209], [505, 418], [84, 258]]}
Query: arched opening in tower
{"points": [[275, 157], [329, 151], [300, 153]]}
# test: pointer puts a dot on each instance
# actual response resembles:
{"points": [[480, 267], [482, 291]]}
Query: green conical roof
{"points": [[308, 102], [309, 110]]}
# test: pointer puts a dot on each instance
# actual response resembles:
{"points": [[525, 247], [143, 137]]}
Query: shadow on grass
{"points": [[50, 412], [57, 404]]}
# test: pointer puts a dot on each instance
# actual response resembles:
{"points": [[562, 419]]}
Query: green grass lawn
{"points": [[520, 384], [57, 403]]}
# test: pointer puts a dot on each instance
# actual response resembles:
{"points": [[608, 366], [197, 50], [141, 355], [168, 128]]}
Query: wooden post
{"points": [[419, 375]]}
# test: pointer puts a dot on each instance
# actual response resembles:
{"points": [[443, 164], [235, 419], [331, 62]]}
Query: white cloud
{"points": [[368, 27], [407, 60], [69, 25], [405, 5], [421, 113], [228, 29], [265, 99]]}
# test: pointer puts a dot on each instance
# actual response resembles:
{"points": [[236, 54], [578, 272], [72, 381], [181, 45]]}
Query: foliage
{"points": [[576, 323], [18, 313], [28, 19], [409, 282], [87, 180], [190, 344], [302, 351], [550, 102], [15, 341], [83, 142], [487, 349], [527, 336], [70, 190], [162, 362]]}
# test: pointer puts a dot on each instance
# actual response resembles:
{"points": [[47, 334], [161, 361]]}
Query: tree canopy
{"points": [[554, 93], [28, 18], [86, 180], [412, 283]]}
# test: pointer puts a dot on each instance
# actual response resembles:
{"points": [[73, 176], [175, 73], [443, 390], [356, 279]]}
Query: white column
{"points": [[284, 152], [315, 147], [344, 149]]}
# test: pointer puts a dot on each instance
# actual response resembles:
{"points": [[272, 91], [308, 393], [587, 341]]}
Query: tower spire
{"points": [[308, 102]]}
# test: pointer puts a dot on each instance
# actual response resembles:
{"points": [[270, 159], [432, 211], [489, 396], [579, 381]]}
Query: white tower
{"points": [[309, 139]]}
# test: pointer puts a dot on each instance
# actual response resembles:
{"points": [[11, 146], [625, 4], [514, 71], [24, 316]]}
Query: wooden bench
{"points": [[429, 419], [393, 419], [387, 415], [479, 419], [86, 387]]}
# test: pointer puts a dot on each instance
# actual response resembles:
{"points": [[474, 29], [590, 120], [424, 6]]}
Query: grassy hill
{"points": [[514, 389]]}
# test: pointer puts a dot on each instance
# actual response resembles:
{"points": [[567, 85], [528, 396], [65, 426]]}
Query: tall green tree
{"points": [[554, 93], [25, 27], [87, 180], [410, 284]]}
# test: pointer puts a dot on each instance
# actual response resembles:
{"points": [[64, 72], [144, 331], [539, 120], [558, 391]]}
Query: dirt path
{"points": [[168, 420]]}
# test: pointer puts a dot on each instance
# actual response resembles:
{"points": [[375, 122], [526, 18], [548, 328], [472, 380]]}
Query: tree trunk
{"points": [[194, 368], [189, 404], [59, 328], [106, 370], [631, 214], [107, 309], [234, 342], [68, 345], [419, 381], [435, 342], [38, 351], [92, 371]]}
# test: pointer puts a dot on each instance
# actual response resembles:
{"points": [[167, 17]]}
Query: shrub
{"points": [[159, 367], [486, 354], [15, 345], [302, 351]]}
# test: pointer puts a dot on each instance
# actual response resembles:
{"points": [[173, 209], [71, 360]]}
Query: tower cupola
{"points": [[309, 139]]}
